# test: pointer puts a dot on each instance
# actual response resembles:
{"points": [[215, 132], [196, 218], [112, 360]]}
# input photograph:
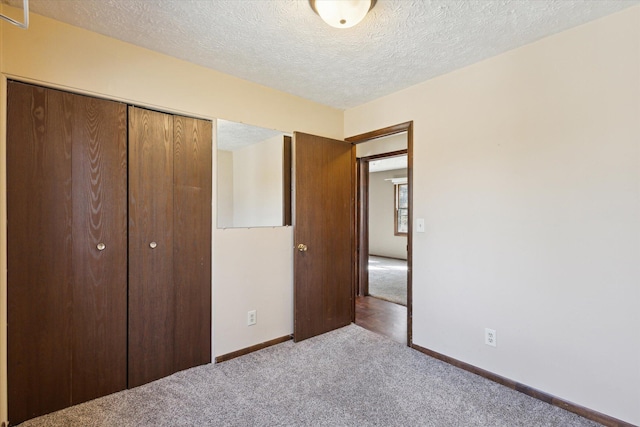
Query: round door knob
{"points": [[153, 245], [101, 246], [302, 247]]}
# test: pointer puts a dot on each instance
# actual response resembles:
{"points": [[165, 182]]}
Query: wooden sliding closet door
{"points": [[169, 244], [79, 327], [151, 291], [66, 194], [99, 253], [39, 243], [192, 241]]}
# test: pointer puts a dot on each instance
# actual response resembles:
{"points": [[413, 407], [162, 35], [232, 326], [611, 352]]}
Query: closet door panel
{"points": [[39, 244], [192, 152], [151, 291], [99, 248], [192, 241]]}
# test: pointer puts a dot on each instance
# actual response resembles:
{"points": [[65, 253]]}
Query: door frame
{"points": [[362, 226], [362, 217]]}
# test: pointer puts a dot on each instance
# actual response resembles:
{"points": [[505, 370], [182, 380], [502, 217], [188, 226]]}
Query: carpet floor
{"points": [[388, 279], [348, 377]]}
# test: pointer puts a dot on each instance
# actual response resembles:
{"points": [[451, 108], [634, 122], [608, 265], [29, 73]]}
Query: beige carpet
{"points": [[388, 279], [348, 377]]}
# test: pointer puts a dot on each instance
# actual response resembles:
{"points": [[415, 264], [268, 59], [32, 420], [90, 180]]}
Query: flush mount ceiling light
{"points": [[342, 13]]}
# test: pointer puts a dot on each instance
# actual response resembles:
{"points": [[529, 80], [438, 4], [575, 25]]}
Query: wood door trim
{"points": [[384, 155], [362, 230], [388, 131], [388, 257], [354, 234], [362, 234], [286, 181]]}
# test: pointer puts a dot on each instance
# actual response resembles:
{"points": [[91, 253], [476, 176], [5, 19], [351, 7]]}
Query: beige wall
{"points": [[66, 57], [527, 172], [382, 238], [251, 286]]}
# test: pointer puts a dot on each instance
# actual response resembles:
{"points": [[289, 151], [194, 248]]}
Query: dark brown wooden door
{"points": [[192, 241], [99, 253], [66, 193], [40, 274], [151, 292], [323, 224]]}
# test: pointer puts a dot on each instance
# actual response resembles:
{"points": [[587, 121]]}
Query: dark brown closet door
{"points": [[39, 244], [99, 158], [151, 291], [192, 241], [65, 300]]}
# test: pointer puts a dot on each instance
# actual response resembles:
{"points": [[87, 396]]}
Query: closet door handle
{"points": [[153, 245], [101, 246]]}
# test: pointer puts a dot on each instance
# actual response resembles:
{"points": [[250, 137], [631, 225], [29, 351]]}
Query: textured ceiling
{"points": [[232, 136], [283, 44]]}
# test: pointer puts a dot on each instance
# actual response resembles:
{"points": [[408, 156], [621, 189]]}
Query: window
{"points": [[402, 209]]}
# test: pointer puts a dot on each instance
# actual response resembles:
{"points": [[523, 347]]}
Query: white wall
{"points": [[257, 184], [527, 172], [59, 55], [382, 238]]}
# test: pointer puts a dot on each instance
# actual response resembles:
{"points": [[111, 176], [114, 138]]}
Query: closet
{"points": [[109, 247]]}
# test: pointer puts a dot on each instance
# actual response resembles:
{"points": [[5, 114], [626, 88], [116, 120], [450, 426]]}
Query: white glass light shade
{"points": [[342, 13]]}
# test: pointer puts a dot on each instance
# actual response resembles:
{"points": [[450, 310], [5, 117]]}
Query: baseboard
{"points": [[253, 348], [529, 391]]}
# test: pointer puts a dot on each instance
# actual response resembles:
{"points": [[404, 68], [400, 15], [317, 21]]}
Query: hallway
{"points": [[382, 317], [388, 279]]}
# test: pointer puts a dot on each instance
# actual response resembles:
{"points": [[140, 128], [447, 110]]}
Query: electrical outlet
{"points": [[490, 337], [252, 318]]}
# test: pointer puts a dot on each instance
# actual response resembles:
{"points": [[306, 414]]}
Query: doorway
{"points": [[385, 209], [383, 244]]}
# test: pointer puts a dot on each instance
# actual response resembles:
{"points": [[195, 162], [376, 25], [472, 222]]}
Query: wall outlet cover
{"points": [[490, 337], [252, 318]]}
